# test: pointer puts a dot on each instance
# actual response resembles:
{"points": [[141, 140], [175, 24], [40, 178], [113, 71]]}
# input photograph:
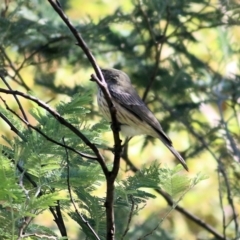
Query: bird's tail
{"points": [[168, 143], [174, 152], [177, 155]]}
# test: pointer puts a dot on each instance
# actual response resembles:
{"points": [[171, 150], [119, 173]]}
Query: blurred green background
{"points": [[186, 53]]}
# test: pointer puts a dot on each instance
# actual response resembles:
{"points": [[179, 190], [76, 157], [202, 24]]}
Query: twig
{"points": [[230, 200], [236, 152], [16, 98], [22, 83], [221, 200], [158, 49], [71, 197], [12, 127], [129, 218], [41, 47], [233, 145], [150, 233], [150, 29], [28, 219], [39, 236]]}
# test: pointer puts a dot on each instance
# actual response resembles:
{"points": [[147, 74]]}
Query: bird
{"points": [[133, 115]]}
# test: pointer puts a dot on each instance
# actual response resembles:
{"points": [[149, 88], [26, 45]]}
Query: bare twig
{"points": [[232, 143], [158, 50], [129, 217], [39, 236], [221, 200], [58, 218], [21, 81], [16, 98], [230, 200], [191, 216]]}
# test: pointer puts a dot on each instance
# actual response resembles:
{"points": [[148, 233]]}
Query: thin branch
{"points": [[41, 47], [159, 47], [149, 27], [221, 201], [12, 127], [22, 83], [16, 98], [39, 236], [129, 218], [230, 200], [150, 233], [233, 145], [192, 217], [71, 197]]}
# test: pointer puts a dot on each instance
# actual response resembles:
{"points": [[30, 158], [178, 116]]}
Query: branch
{"points": [[110, 176]]}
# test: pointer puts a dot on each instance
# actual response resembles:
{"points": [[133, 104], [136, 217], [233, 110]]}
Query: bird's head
{"points": [[114, 76]]}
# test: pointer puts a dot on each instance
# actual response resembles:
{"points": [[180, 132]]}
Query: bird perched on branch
{"points": [[133, 115]]}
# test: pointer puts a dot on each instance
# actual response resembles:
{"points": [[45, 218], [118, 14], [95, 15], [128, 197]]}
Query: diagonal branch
{"points": [[63, 121], [37, 129], [21, 82], [16, 98]]}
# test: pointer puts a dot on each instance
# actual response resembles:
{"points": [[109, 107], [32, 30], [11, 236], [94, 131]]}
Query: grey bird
{"points": [[134, 116]]}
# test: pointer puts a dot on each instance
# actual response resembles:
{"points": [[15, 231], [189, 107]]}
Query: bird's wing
{"points": [[134, 104]]}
